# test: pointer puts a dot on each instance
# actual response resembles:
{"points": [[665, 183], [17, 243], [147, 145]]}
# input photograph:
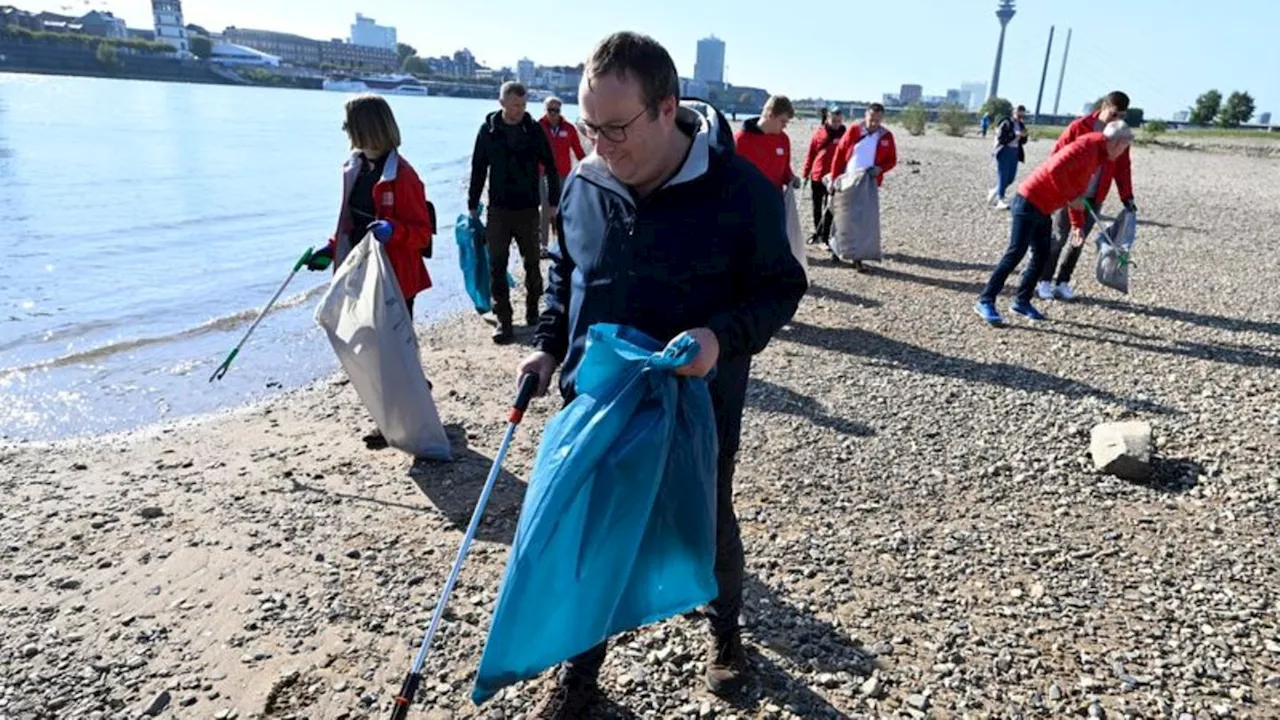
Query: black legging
{"points": [[821, 215]]}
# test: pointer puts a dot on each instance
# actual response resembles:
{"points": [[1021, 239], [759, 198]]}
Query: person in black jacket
{"points": [[668, 231], [1009, 151], [510, 147]]}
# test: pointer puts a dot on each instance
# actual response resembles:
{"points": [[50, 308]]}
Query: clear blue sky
{"points": [[1163, 53]]}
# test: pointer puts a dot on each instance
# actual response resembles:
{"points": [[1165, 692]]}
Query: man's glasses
{"points": [[555, 110], [612, 133]]}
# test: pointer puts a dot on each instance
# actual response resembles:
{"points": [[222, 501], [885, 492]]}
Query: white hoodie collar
{"points": [[696, 162]]}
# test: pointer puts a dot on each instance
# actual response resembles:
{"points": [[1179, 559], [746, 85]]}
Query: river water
{"points": [[149, 222]]}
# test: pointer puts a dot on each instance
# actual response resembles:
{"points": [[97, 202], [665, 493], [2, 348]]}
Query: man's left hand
{"points": [[873, 171], [382, 230], [795, 183], [708, 353], [1130, 206]]}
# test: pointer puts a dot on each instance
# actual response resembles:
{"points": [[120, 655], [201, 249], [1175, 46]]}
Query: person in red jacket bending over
{"points": [[1114, 106], [763, 141], [867, 146], [1060, 183], [564, 140], [384, 199], [817, 163]]}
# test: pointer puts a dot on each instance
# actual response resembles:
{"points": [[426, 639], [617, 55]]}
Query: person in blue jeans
{"points": [[1011, 136], [1061, 181]]}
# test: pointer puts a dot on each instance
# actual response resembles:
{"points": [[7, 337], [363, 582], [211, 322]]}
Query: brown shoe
{"points": [[567, 697], [727, 665]]}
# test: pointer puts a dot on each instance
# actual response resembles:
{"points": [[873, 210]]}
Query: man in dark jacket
{"points": [[667, 231], [510, 147]]}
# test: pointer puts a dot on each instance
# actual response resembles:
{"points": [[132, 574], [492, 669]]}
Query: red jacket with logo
{"points": [[886, 152], [399, 197], [1064, 177], [564, 139], [1121, 170], [771, 152], [822, 147]]}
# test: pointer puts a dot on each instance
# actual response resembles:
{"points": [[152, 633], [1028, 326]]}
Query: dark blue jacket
{"points": [[707, 249]]}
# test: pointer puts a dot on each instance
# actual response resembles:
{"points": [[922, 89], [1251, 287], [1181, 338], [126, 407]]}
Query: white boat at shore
{"points": [[391, 85]]}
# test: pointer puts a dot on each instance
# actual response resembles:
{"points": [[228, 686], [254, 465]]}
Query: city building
{"points": [[298, 50], [526, 71], [910, 94], [890, 100], [366, 32], [1087, 109], [958, 97], [1182, 116], [977, 93], [558, 77], [103, 24], [169, 25], [709, 66], [1265, 119], [13, 17]]}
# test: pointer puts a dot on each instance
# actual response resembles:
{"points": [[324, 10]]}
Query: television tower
{"points": [[1004, 14]]}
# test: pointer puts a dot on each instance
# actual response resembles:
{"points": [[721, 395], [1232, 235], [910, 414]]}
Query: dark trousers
{"points": [[1006, 169], [1032, 230], [822, 216], [522, 226], [730, 569], [1062, 239]]}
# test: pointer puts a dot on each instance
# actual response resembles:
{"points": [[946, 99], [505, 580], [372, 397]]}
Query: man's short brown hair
{"points": [[511, 87], [875, 107], [640, 58], [370, 124], [779, 106]]}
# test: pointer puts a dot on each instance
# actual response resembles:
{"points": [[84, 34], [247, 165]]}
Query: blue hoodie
{"points": [[707, 249]]}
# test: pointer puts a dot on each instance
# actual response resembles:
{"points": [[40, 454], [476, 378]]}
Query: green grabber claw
{"points": [[226, 364]]}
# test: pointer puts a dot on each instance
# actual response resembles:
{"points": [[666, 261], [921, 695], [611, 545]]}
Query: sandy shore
{"points": [[925, 533]]}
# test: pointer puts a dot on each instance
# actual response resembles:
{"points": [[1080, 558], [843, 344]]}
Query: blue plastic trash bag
{"points": [[618, 524], [473, 259]]}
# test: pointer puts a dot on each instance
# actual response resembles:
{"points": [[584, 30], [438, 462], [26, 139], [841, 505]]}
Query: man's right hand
{"points": [[543, 365]]}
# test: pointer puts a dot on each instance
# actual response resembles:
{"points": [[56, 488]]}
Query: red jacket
{"points": [[769, 152], [400, 198], [563, 140], [1121, 169], [886, 152], [822, 147], [1064, 177]]}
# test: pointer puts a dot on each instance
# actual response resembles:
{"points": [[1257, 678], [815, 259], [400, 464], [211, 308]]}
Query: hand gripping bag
{"points": [[1114, 245], [368, 324], [473, 260], [618, 524]]}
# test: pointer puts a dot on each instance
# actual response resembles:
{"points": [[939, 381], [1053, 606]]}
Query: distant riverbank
{"points": [[76, 61]]}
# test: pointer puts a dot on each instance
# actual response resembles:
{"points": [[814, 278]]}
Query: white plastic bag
{"points": [[368, 324], [794, 232], [856, 209]]}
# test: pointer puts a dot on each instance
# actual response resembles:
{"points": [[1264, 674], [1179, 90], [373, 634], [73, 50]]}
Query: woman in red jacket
{"points": [[381, 195], [384, 199]]}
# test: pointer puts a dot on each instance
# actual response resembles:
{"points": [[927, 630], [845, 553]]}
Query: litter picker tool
{"points": [[528, 384], [226, 364]]}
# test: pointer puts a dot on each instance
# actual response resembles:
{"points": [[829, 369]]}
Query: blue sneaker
{"points": [[987, 311], [1027, 310]]}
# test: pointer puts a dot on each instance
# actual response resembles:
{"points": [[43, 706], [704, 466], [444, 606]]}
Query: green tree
{"points": [[415, 65], [1155, 127], [1206, 108], [955, 120], [914, 119], [998, 108], [404, 52], [109, 57], [201, 47], [1237, 110]]}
